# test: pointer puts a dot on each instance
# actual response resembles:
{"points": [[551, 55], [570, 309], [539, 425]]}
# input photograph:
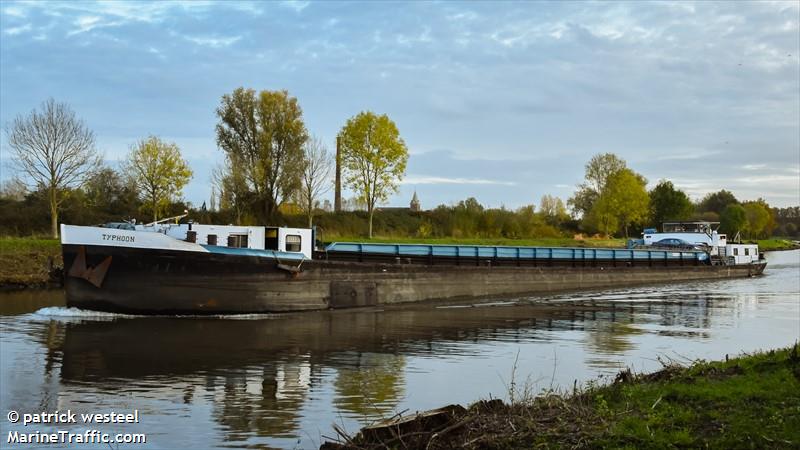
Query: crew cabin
{"points": [[290, 240]]}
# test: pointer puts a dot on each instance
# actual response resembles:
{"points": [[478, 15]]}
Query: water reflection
{"points": [[274, 380], [371, 385]]}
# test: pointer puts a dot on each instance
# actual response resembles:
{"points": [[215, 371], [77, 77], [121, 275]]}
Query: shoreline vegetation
{"points": [[29, 262], [35, 262], [750, 401]]}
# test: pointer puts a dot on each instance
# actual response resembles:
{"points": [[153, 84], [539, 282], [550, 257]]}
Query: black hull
{"points": [[148, 281]]}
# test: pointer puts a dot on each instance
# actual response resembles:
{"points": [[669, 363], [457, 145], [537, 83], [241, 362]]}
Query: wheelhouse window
{"points": [[293, 243], [735, 252], [746, 252]]}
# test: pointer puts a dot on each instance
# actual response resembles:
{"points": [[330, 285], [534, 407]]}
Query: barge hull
{"points": [[147, 281]]}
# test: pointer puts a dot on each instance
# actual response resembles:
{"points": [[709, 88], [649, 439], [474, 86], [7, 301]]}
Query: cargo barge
{"points": [[200, 269]]}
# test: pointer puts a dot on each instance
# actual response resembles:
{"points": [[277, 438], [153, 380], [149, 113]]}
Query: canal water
{"points": [[282, 380]]}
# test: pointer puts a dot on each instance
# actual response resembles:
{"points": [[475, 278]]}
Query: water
{"points": [[281, 381]]}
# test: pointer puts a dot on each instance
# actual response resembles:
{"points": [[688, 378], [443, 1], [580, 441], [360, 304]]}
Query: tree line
{"points": [[275, 172], [270, 161]]}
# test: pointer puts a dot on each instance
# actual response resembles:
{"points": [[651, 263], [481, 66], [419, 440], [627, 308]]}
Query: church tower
{"points": [[415, 203]]}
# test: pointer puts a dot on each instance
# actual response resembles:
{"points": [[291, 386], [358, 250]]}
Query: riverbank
{"points": [[752, 401], [27, 262], [771, 245]]}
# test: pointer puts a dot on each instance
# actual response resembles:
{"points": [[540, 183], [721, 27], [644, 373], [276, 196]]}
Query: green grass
{"points": [[541, 242], [766, 245], [752, 401], [25, 261]]}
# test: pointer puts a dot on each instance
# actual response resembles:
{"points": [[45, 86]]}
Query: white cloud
{"points": [[213, 42], [85, 23], [688, 154], [754, 166], [407, 40], [297, 5], [422, 179], [14, 11], [463, 16], [18, 30]]}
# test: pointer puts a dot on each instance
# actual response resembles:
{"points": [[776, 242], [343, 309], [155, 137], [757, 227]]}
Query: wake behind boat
{"points": [[190, 268]]}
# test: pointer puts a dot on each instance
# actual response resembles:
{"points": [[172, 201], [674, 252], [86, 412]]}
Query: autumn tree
{"points": [[265, 133], [760, 222], [55, 150], [108, 192], [234, 193], [315, 176], [374, 157], [669, 203], [159, 171], [553, 210], [624, 201], [733, 219], [598, 170], [716, 201]]}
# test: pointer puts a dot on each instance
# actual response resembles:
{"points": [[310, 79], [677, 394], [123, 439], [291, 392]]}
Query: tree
{"points": [[264, 133], [602, 216], [717, 201], [110, 194], [471, 206], [758, 218], [159, 171], [624, 200], [315, 177], [55, 150], [553, 210], [234, 193], [668, 203], [733, 219], [14, 189], [374, 157], [598, 170]]}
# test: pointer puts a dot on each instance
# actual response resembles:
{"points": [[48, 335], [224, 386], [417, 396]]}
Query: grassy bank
{"points": [[751, 401], [766, 245], [26, 261]]}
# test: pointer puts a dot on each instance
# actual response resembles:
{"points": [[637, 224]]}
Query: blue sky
{"points": [[501, 101]]}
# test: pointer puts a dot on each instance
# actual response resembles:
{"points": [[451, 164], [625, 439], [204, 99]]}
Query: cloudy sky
{"points": [[501, 101]]}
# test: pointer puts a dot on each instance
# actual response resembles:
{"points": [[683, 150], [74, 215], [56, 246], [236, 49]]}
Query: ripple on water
{"points": [[67, 314], [62, 313]]}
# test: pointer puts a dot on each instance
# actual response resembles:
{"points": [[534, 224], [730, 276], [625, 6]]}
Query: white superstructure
{"points": [[695, 233], [193, 237], [704, 235]]}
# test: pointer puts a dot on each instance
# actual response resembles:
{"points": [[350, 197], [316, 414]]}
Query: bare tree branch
{"points": [[315, 177], [54, 149]]}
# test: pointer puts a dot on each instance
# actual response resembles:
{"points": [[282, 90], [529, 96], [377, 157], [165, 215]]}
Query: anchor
{"points": [[94, 275]]}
